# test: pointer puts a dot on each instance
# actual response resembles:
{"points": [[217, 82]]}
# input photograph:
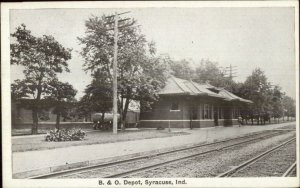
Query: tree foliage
{"points": [[209, 71], [42, 58], [289, 106], [98, 94], [140, 73], [275, 104], [182, 69], [258, 89], [62, 96], [83, 108]]}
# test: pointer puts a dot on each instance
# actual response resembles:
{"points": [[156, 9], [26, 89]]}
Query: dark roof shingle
{"points": [[177, 86]]}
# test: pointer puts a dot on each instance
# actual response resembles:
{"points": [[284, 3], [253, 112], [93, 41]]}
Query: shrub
{"points": [[65, 135]]}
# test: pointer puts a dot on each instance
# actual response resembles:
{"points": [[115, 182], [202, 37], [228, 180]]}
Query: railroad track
{"points": [[262, 135], [253, 160], [289, 171]]}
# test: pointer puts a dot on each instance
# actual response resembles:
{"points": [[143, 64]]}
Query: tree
{"points": [[209, 71], [62, 97], [99, 94], [83, 108], [258, 89], [140, 73], [182, 69], [42, 58], [276, 102], [289, 106]]}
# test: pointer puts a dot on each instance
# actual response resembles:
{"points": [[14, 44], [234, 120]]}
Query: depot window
{"points": [[207, 111], [174, 106]]}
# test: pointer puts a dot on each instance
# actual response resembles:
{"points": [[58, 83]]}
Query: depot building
{"points": [[186, 104]]}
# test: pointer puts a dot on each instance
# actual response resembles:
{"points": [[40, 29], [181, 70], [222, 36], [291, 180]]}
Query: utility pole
{"points": [[229, 73], [115, 78], [231, 70], [115, 66]]}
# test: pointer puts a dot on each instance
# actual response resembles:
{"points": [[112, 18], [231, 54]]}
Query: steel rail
{"points": [[118, 162], [149, 167], [290, 169], [253, 160]]}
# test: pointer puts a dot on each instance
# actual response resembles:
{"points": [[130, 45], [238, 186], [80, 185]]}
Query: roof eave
{"points": [[183, 93], [242, 100]]}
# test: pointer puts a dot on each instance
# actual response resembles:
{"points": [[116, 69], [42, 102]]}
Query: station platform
{"points": [[33, 160]]}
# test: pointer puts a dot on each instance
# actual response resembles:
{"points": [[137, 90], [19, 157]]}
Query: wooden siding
{"points": [[189, 114]]}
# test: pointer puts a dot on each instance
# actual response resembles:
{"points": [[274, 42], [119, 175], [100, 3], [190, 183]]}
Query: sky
{"points": [[247, 38]]}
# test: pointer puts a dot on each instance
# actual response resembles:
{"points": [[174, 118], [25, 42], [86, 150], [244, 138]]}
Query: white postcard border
{"points": [[192, 182]]}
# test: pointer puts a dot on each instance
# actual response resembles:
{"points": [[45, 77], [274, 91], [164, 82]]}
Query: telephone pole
{"points": [[115, 65], [231, 70], [115, 78]]}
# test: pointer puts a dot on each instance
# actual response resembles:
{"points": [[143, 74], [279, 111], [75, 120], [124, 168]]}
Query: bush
{"points": [[65, 135]]}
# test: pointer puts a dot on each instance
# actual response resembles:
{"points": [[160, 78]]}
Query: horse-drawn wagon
{"points": [[104, 123]]}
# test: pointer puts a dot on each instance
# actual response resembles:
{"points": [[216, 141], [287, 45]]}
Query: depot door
{"points": [[193, 116], [216, 116]]}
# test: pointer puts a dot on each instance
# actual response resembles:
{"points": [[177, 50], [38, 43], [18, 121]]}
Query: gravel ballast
{"points": [[96, 173], [213, 164], [273, 164]]}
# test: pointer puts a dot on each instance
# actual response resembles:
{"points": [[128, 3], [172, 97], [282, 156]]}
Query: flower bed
{"points": [[65, 135]]}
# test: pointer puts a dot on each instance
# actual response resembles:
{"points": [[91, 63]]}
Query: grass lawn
{"points": [[43, 128], [95, 137], [26, 131]]}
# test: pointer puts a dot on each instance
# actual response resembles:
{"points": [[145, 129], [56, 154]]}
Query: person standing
{"points": [[240, 121]]}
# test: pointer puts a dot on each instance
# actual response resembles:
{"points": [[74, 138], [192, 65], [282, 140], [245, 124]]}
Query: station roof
{"points": [[232, 97], [177, 86]]}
